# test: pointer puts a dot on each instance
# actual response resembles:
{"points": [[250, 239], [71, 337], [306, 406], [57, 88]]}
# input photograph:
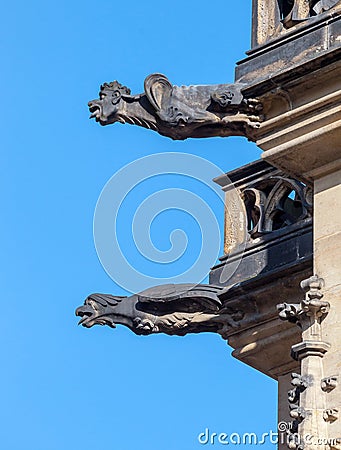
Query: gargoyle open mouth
{"points": [[98, 310], [90, 317], [86, 314], [95, 110]]}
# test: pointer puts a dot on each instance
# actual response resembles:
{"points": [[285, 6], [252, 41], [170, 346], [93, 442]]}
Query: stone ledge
{"points": [[314, 44]]}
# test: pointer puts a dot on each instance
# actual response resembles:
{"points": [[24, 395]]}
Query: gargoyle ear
{"points": [[157, 88]]}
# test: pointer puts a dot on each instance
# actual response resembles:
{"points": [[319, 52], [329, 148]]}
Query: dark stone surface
{"points": [[279, 249], [274, 19], [296, 11], [295, 53]]}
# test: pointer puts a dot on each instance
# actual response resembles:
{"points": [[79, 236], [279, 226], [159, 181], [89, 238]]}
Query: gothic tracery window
{"points": [[294, 11]]}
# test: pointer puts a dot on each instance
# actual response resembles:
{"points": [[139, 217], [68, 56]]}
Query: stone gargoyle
{"points": [[179, 112], [170, 309]]}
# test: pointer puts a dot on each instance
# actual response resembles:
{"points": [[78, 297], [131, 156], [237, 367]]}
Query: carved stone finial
{"points": [[329, 383], [179, 112], [290, 312], [330, 415], [309, 313], [298, 414], [294, 441], [313, 286], [313, 306], [301, 381], [293, 396]]}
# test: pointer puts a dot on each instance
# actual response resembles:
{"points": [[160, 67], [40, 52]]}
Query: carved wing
{"points": [[181, 297], [107, 299], [158, 90], [172, 309]]}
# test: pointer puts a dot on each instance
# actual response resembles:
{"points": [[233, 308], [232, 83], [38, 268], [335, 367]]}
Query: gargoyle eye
{"points": [[116, 96], [102, 95]]}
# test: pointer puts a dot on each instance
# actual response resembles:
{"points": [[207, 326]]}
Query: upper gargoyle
{"points": [[179, 112]]}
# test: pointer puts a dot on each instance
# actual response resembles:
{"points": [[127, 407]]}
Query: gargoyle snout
{"points": [[95, 109], [84, 312]]}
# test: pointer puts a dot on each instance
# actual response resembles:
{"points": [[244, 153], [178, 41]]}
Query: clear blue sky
{"points": [[65, 387]]}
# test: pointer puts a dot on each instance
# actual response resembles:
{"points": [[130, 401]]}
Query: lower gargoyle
{"points": [[179, 112], [170, 309]]}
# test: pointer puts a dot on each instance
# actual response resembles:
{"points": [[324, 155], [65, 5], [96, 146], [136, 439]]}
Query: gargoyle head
{"points": [[105, 309], [106, 109], [98, 310]]}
